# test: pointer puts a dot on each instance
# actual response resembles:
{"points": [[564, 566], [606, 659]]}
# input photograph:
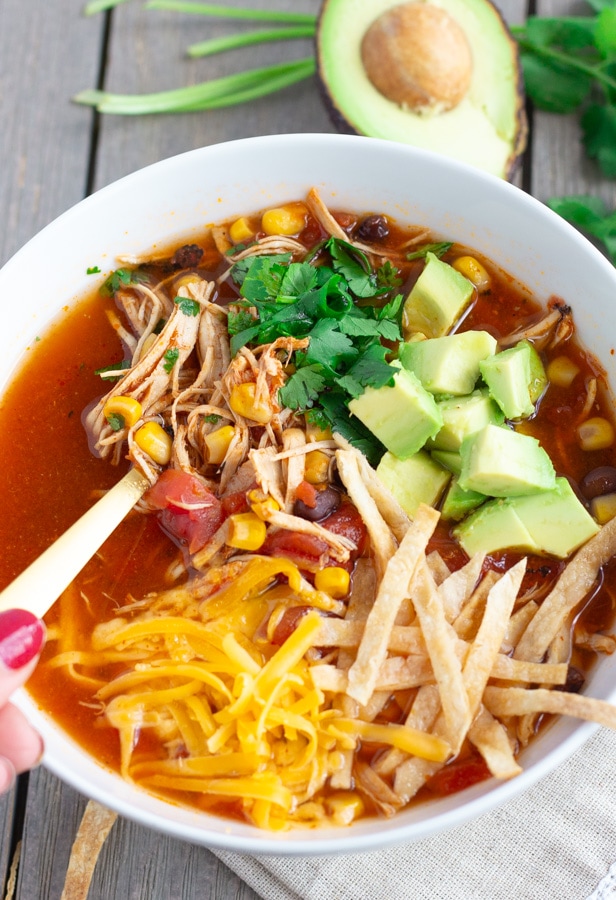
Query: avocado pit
{"points": [[418, 56]]}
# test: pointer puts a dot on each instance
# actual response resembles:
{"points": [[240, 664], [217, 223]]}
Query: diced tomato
{"points": [[307, 493], [234, 503], [347, 522], [189, 511], [305, 550], [457, 776]]}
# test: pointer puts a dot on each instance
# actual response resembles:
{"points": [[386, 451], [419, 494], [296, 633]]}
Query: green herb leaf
{"points": [[117, 369], [187, 306], [334, 407], [92, 270], [552, 85], [239, 319], [171, 357], [122, 278], [355, 268], [263, 278], [116, 421], [302, 389], [439, 249], [212, 419], [590, 215], [599, 136], [388, 276]]}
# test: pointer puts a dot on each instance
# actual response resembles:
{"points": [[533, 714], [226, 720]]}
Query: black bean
{"points": [[575, 681], [187, 257], [600, 481], [373, 228], [327, 501]]}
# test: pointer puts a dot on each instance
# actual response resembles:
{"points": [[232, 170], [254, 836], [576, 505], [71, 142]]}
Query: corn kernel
{"points": [[217, 443], [603, 508], [243, 402], [124, 411], [317, 467], [247, 531], [154, 440], [333, 580], [289, 219], [241, 231], [262, 504], [595, 434], [472, 269], [561, 371]]}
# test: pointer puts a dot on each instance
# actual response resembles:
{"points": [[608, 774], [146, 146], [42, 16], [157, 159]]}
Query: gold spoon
{"points": [[39, 586]]}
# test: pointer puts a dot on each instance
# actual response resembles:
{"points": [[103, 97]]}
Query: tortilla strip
{"points": [[513, 701], [95, 826], [411, 775], [426, 707], [570, 589], [456, 590], [348, 633], [519, 670], [441, 645], [393, 588], [467, 623], [382, 542], [517, 625], [438, 567], [292, 438], [490, 738]]}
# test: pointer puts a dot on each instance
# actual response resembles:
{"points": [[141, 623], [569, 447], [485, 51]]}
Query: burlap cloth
{"points": [[557, 841]]}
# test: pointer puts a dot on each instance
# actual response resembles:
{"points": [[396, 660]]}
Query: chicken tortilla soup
{"points": [[375, 556]]}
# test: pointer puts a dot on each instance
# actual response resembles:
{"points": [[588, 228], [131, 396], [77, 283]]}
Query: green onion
{"points": [[231, 42], [225, 12], [220, 92]]}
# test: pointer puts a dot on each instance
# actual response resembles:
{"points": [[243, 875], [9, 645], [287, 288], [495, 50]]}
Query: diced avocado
{"points": [[402, 416], [463, 416], [538, 377], [450, 364], [557, 520], [551, 522], [507, 376], [449, 459], [418, 479], [438, 299], [494, 526], [500, 462], [459, 503]]}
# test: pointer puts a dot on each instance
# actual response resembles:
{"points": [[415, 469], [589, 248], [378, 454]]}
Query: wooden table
{"points": [[53, 153]]}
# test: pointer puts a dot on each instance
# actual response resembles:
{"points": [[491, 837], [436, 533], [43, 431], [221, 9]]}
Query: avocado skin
{"points": [[342, 123]]}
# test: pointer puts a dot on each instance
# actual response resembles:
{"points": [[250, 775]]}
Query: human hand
{"points": [[22, 636]]}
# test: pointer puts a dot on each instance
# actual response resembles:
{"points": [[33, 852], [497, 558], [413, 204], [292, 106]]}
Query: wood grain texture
{"points": [[48, 51]]}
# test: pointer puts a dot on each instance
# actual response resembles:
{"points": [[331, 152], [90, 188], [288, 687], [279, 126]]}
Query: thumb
{"points": [[22, 636]]}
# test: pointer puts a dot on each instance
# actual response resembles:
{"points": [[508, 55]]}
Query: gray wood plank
{"points": [[7, 811], [48, 51], [148, 54]]}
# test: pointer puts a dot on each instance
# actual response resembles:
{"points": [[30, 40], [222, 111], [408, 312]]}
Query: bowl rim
{"points": [[300, 841]]}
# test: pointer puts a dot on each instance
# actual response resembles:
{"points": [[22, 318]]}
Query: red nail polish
{"points": [[21, 637]]}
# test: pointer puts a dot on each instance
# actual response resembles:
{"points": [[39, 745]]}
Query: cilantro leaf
{"points": [[239, 319], [187, 306], [354, 266], [301, 391], [328, 346], [115, 421], [92, 270], [370, 370], [388, 276], [439, 248], [552, 85], [122, 278], [590, 215], [264, 277], [115, 368], [599, 136], [334, 406], [299, 278], [171, 357]]}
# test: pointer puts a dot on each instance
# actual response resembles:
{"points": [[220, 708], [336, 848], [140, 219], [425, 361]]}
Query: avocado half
{"points": [[486, 128]]}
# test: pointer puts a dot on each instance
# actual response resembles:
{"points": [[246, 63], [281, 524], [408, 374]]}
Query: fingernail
{"points": [[21, 637], [7, 775]]}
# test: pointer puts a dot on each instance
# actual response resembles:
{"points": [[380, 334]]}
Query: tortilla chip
{"points": [[514, 701], [95, 826], [488, 735], [393, 588]]}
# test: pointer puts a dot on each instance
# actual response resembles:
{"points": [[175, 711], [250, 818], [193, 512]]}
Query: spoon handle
{"points": [[40, 585]]}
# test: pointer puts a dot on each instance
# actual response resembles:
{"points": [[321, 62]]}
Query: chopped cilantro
{"points": [[159, 326], [239, 319], [116, 369], [187, 306], [302, 389], [122, 278], [388, 276], [439, 249], [171, 357], [116, 421], [212, 419], [92, 270]]}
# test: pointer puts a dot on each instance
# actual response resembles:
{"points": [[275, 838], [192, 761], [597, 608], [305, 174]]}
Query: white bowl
{"points": [[174, 199]]}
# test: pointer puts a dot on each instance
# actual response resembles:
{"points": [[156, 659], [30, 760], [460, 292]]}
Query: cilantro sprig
{"points": [[590, 215], [344, 307], [569, 64]]}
